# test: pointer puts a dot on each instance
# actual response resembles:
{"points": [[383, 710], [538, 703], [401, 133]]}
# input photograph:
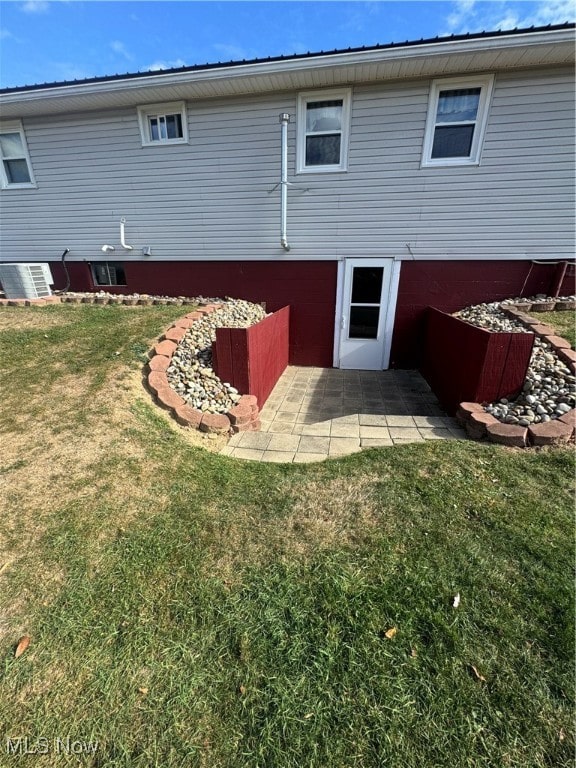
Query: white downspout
{"points": [[284, 120]]}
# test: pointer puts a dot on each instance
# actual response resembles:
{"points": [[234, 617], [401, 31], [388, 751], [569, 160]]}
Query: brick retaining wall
{"points": [[242, 417]]}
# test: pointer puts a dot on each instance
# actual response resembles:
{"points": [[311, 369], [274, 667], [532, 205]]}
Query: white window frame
{"points": [[324, 95], [147, 111], [486, 85], [15, 126], [110, 267]]}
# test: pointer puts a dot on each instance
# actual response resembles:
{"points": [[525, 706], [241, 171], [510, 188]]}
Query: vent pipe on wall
{"points": [[284, 120], [123, 242]]}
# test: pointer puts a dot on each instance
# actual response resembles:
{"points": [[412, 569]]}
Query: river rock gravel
{"points": [[549, 389], [190, 372]]}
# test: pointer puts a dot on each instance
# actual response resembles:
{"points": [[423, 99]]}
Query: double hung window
{"points": [[16, 169], [323, 128], [457, 116]]}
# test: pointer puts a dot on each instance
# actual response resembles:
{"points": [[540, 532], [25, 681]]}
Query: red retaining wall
{"points": [[253, 359], [465, 363], [452, 285]]}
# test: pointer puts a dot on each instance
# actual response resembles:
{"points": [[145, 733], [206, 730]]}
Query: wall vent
{"points": [[26, 281]]}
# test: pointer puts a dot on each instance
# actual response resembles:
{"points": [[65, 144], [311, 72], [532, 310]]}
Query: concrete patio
{"points": [[318, 413]]}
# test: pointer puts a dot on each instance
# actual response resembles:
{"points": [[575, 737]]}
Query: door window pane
{"points": [[364, 322], [367, 285]]}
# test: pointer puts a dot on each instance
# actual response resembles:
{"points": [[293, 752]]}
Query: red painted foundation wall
{"points": [[253, 359], [309, 287], [452, 285], [463, 363]]}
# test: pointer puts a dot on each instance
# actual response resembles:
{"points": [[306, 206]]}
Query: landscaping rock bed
{"points": [[190, 372], [544, 411], [181, 374]]}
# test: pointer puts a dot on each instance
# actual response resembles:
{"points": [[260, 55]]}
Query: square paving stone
{"points": [[305, 417], [248, 453], [350, 418], [319, 429], [312, 444], [435, 433], [372, 420], [405, 433], [281, 428], [353, 404], [340, 446], [287, 416], [227, 450], [284, 442], [254, 440], [374, 432], [278, 457], [308, 458], [400, 421], [375, 442], [289, 407], [345, 430]]}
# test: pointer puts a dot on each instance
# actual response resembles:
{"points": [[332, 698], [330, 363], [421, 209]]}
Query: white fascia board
{"points": [[225, 73]]}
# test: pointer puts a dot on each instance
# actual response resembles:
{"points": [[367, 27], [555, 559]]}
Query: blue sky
{"points": [[68, 39]]}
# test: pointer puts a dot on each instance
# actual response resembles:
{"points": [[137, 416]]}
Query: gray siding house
{"points": [[357, 186]]}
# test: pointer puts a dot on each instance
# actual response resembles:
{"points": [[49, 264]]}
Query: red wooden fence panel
{"points": [[253, 359], [463, 363]]}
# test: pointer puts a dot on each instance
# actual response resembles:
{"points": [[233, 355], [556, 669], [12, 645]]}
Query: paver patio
{"points": [[316, 413]]}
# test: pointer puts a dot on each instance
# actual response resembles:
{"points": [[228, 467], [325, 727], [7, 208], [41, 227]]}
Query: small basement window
{"points": [[163, 123], [16, 168], [457, 115], [323, 128], [108, 273]]}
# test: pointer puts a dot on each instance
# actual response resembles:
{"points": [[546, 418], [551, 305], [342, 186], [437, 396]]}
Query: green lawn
{"points": [[562, 321], [186, 609]]}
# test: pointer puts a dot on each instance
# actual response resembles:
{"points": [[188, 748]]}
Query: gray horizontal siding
{"points": [[213, 198]]}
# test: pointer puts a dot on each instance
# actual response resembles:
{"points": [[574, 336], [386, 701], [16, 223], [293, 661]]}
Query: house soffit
{"points": [[436, 59]]}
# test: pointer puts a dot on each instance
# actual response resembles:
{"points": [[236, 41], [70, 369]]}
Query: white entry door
{"points": [[366, 288]]}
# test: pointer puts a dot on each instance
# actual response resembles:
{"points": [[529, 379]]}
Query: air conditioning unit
{"points": [[26, 281]]}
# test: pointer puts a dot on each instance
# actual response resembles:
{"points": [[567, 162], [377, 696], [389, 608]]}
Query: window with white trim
{"points": [[16, 168], [457, 116], [163, 123], [108, 273], [323, 129]]}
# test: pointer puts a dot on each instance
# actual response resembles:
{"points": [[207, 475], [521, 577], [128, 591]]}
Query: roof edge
{"points": [[288, 59]]}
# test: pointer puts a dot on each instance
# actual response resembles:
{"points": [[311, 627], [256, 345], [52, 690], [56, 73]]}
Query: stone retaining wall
{"points": [[480, 425], [242, 417]]}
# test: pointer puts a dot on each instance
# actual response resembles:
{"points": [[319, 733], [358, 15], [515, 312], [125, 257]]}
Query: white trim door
{"points": [[365, 324]]}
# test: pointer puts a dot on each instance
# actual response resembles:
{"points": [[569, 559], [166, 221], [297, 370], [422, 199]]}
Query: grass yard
{"points": [[562, 321], [186, 609]]}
